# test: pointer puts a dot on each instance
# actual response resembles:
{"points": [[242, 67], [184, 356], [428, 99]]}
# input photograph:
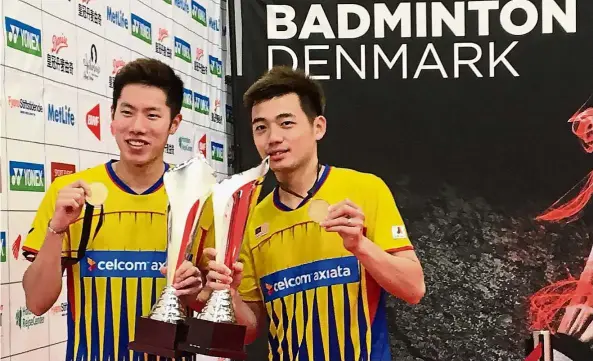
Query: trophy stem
{"points": [[218, 308], [168, 307]]}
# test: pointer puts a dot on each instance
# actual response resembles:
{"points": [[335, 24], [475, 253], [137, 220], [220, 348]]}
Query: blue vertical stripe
{"points": [[284, 342], [294, 330], [124, 336], [273, 340], [332, 325], [362, 327], [108, 344], [318, 350], [138, 356], [348, 345], [94, 322], [303, 348], [70, 322], [81, 353], [380, 350]]}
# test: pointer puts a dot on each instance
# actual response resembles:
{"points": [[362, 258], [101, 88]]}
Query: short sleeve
{"points": [[384, 223], [248, 289], [36, 236]]}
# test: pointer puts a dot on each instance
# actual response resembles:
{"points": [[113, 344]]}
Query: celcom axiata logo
{"points": [[26, 177], [308, 276], [22, 37], [123, 264]]}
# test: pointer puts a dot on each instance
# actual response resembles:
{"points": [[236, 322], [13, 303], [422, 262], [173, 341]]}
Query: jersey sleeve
{"points": [[385, 226], [36, 236], [248, 289]]}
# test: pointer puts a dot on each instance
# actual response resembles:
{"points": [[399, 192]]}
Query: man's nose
{"points": [[139, 124]]}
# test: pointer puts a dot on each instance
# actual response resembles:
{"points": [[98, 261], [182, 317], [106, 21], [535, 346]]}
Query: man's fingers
{"points": [[238, 267], [217, 286], [215, 276], [82, 184], [346, 211], [218, 267], [186, 272], [193, 282], [210, 253]]}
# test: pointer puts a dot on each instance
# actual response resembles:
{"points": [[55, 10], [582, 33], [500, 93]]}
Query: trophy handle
{"points": [[188, 232], [242, 204]]}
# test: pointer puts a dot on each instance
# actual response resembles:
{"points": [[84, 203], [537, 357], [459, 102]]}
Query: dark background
{"points": [[470, 161]]}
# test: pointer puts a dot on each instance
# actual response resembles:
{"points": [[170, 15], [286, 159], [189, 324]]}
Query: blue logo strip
{"points": [[308, 276], [123, 264]]}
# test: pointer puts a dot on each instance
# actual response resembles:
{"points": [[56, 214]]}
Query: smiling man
{"points": [[319, 273], [113, 251]]}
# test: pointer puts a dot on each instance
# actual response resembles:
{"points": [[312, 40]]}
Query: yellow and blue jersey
{"points": [[117, 278], [321, 303]]}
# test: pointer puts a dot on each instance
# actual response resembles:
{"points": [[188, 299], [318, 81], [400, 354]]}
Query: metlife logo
{"points": [[62, 114], [26, 177], [26, 107], [201, 103], [22, 37], [141, 29], [214, 24], [308, 276], [117, 17], [123, 264], [215, 66], [182, 50], [198, 13]]}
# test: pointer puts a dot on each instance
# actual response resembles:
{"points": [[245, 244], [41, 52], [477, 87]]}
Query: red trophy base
{"points": [[159, 338], [215, 339]]}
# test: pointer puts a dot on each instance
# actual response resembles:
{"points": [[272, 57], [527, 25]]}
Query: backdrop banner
{"points": [[478, 116]]}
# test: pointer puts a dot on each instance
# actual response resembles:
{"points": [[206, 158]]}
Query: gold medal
{"points": [[318, 210], [98, 194]]}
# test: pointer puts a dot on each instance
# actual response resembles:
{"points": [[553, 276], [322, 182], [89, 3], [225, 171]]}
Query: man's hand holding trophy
{"points": [[168, 330]]}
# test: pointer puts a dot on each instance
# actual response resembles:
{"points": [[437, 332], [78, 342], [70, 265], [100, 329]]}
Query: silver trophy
{"points": [[214, 331], [188, 186]]}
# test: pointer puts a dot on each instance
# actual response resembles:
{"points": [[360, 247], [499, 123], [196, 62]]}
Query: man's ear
{"points": [[175, 124], [319, 127]]}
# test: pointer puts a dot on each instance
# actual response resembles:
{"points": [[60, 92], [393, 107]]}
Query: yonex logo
{"points": [[309, 276]]}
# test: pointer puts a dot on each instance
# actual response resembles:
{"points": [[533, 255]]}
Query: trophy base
{"points": [[159, 338], [215, 339]]}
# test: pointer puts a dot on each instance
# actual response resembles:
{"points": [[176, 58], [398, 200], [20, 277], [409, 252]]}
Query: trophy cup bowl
{"points": [[214, 331], [188, 185]]}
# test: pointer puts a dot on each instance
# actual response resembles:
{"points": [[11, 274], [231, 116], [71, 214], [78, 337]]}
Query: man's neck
{"points": [[299, 181], [139, 178]]}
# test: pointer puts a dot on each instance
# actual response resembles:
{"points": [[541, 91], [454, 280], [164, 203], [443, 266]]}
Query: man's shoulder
{"points": [[353, 179]]}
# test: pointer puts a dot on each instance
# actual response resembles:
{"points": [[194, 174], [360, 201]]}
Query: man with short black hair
{"points": [[114, 250], [321, 251]]}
